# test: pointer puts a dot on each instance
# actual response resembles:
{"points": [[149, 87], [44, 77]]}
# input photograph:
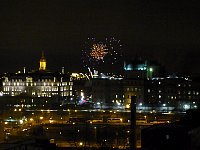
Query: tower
{"points": [[42, 63]]}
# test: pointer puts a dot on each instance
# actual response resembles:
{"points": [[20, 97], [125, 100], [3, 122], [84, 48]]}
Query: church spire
{"points": [[42, 62]]}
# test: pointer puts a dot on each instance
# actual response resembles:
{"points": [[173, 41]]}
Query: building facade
{"points": [[37, 84], [41, 83]]}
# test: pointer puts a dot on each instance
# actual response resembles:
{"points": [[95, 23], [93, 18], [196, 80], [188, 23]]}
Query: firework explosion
{"points": [[98, 51], [101, 53]]}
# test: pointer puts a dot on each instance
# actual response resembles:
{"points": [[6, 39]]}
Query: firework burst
{"points": [[101, 53], [98, 51]]}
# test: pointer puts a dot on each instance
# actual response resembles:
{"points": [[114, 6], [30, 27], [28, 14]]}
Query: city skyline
{"points": [[163, 31]]}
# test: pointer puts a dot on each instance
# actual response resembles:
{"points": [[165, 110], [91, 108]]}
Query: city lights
{"points": [[99, 75]]}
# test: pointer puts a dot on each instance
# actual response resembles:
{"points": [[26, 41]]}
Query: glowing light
{"points": [[21, 121], [127, 105], [186, 106], [98, 51]]}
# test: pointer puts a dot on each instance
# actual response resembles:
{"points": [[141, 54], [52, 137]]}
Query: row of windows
{"points": [[178, 85], [42, 89], [175, 97], [30, 80], [174, 91], [41, 94], [133, 89], [37, 83]]}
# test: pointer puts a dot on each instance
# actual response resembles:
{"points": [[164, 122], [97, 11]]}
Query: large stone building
{"points": [[41, 83]]}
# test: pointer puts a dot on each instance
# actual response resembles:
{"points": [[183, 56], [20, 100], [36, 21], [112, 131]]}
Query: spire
{"points": [[42, 62], [42, 54]]}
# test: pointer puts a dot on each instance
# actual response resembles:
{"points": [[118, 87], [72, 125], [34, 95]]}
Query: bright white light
{"points": [[186, 106], [81, 143], [21, 121]]}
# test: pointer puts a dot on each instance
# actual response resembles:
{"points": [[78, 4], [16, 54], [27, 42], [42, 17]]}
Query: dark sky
{"points": [[168, 31]]}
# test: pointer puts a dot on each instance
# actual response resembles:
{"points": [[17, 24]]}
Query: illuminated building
{"points": [[37, 84], [40, 83], [136, 73], [139, 68], [172, 91], [133, 87]]}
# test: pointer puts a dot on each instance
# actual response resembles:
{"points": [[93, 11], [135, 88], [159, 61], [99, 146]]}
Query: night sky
{"points": [[168, 31]]}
